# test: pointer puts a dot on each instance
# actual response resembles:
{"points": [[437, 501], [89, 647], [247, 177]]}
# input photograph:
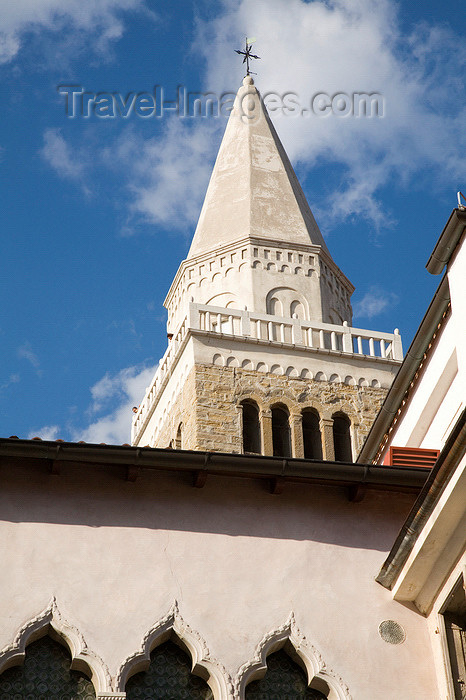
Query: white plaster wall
{"points": [[437, 397], [237, 559], [457, 283]]}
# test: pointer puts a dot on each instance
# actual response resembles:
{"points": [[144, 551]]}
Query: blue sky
{"points": [[98, 212]]}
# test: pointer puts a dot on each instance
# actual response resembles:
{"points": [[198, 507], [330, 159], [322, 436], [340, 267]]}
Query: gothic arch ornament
{"points": [[315, 665], [82, 658], [244, 393], [203, 664], [311, 404]]}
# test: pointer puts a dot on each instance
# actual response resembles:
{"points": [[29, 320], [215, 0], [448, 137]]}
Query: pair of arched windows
{"points": [[46, 675], [277, 308], [177, 442], [282, 433]]}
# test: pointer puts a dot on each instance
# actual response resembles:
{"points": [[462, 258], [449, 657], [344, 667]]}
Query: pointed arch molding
{"points": [[309, 655], [83, 659], [203, 664]]}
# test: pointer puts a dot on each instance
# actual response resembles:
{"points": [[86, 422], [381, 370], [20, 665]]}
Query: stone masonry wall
{"points": [[209, 408]]}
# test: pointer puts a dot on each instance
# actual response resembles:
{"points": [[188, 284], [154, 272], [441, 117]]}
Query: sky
{"points": [[100, 200]]}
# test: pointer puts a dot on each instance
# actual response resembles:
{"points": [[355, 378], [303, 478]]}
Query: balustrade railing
{"points": [[312, 334], [273, 329]]}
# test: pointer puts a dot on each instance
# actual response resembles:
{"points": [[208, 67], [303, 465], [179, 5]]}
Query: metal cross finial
{"points": [[247, 54]]}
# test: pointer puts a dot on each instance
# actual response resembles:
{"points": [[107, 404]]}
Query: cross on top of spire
{"points": [[247, 54]]}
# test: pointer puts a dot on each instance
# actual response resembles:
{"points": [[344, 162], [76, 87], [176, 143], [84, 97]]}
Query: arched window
{"points": [[251, 428], [168, 676], [312, 438], [284, 679], [297, 308], [275, 307], [45, 673], [342, 438], [179, 437], [281, 432]]}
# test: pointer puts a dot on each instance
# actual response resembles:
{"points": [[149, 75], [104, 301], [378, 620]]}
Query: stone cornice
{"points": [[259, 241]]}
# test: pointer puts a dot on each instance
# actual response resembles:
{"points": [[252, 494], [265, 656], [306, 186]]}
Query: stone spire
{"points": [[253, 191]]}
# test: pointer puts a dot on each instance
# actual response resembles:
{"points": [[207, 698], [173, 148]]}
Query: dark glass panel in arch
{"points": [[342, 438], [284, 680], [168, 677], [311, 435], [281, 432], [251, 428], [45, 675]]}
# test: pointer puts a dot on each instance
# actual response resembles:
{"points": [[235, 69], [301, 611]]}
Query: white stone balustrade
{"points": [[312, 334], [271, 329]]}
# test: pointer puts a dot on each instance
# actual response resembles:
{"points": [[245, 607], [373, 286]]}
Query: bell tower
{"points": [[262, 355]]}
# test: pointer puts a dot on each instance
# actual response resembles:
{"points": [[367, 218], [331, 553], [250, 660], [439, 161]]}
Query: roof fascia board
{"points": [[446, 244], [330, 473]]}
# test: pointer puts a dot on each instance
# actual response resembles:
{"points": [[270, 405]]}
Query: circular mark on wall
{"points": [[392, 632]]}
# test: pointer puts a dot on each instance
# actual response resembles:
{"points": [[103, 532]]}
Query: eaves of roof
{"points": [[132, 461], [446, 244]]}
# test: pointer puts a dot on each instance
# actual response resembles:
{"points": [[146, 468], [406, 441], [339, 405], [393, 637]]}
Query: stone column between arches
{"points": [[326, 430], [297, 441], [266, 432]]}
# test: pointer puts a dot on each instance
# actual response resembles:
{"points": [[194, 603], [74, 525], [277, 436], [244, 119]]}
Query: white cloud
{"points": [[113, 396], [341, 46], [168, 179], [47, 432], [25, 352], [165, 183], [61, 157], [12, 379], [374, 303], [75, 20], [352, 46]]}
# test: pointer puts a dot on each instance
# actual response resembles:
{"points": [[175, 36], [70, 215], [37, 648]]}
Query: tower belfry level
{"points": [[262, 355]]}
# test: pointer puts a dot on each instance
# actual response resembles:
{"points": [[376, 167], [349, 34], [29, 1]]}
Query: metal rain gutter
{"points": [[135, 459], [446, 244]]}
